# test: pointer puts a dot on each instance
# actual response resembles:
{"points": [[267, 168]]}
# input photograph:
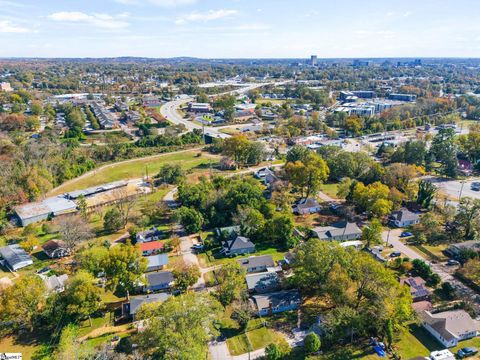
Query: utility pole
{"points": [[461, 190], [388, 236]]}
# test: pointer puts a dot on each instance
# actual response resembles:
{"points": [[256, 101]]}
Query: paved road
{"points": [[455, 188], [441, 269], [169, 110]]}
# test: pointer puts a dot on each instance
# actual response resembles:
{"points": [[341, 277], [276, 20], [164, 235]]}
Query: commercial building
{"points": [[403, 97], [313, 60], [39, 211], [199, 107]]}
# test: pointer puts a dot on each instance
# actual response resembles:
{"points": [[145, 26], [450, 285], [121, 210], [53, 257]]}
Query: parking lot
{"points": [[453, 188]]}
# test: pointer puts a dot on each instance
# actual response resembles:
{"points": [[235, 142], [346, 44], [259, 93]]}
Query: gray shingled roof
{"points": [[240, 242], [159, 278], [138, 301], [256, 261]]}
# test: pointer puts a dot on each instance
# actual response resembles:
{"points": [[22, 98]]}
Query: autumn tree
{"points": [[231, 283], [307, 175], [123, 266], [372, 233], [21, 303], [185, 275], [178, 328]]}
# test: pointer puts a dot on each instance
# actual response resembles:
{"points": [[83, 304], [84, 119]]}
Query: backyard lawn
{"points": [[330, 190], [256, 337], [136, 169]]}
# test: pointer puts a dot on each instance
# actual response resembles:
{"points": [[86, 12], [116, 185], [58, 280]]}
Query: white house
{"points": [[404, 217], [450, 327]]}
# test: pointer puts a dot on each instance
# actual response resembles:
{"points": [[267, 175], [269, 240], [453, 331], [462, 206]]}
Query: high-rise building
{"points": [[313, 60]]}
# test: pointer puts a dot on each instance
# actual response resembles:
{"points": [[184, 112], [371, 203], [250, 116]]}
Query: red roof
{"points": [[153, 245]]}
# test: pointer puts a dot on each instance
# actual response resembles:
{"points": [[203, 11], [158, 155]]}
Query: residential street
{"points": [[445, 272]]}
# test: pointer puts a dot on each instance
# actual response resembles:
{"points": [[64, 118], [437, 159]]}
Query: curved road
{"points": [[169, 110]]}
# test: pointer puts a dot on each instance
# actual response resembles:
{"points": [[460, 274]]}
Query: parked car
{"points": [[475, 186], [406, 234], [395, 254], [452, 262], [466, 352], [197, 247]]}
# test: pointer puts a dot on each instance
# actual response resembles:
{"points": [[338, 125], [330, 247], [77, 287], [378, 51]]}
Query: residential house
{"points": [[151, 101], [276, 302], [340, 231], [356, 244], [56, 249], [254, 264], [160, 280], [404, 218], [238, 246], [152, 247], [157, 262], [152, 234], [262, 282], [417, 288], [455, 250], [450, 327], [130, 308], [14, 257], [307, 206], [55, 283]]}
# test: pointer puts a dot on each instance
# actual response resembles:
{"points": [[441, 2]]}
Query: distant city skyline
{"points": [[239, 28]]}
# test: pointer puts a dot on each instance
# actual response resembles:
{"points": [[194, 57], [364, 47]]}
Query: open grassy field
{"points": [[271, 101], [136, 168]]}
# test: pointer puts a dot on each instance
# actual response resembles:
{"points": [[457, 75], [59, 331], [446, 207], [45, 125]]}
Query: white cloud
{"points": [[205, 16], [162, 3], [104, 21], [9, 27]]}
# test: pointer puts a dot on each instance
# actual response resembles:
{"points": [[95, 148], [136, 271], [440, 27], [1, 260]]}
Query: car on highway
{"points": [[395, 254], [452, 262], [466, 352], [406, 234]]}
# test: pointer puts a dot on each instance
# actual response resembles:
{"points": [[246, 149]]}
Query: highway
{"points": [[169, 110]]}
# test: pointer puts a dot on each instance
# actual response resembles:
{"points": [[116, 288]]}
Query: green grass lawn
{"points": [[256, 337], [436, 250], [136, 169], [330, 190], [85, 328]]}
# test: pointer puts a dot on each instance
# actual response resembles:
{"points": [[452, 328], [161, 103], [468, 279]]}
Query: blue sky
{"points": [[240, 28]]}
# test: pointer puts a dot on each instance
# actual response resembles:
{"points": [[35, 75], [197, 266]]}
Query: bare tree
{"points": [[73, 230], [125, 203]]}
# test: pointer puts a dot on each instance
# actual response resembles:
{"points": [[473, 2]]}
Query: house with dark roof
{"points": [[56, 249], [340, 231], [14, 257], [262, 282], [307, 206], [238, 246], [254, 264], [450, 327], [455, 250], [151, 247], [417, 288], [160, 280], [152, 234], [276, 302], [156, 262], [130, 308], [404, 218]]}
